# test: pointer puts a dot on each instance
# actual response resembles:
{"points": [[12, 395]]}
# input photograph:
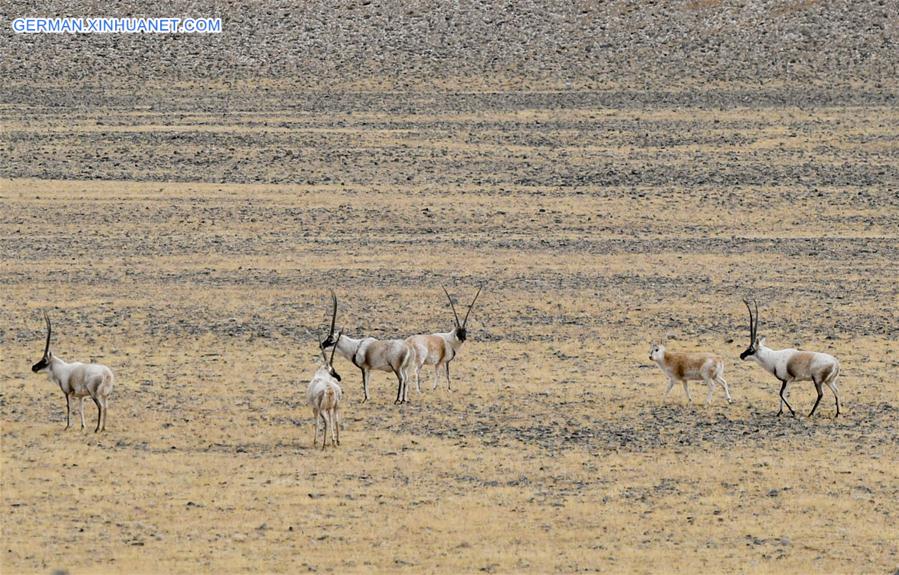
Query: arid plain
{"points": [[596, 230]]}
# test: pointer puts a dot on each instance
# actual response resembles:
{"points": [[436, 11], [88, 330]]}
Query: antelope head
{"points": [[657, 352], [329, 363], [460, 329], [329, 340], [45, 359], [755, 342]]}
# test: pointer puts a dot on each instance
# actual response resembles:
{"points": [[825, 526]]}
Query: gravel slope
{"points": [[588, 45]]}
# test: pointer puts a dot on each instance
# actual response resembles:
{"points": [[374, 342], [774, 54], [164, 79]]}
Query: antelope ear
{"points": [[759, 341]]}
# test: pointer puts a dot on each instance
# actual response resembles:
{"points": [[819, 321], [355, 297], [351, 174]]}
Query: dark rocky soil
{"points": [[316, 45]]}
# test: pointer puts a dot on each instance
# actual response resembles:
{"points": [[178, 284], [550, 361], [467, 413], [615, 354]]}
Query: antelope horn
{"points": [[452, 306], [321, 350], [752, 324], [334, 350], [756, 332], [465, 323], [333, 313], [49, 331]]}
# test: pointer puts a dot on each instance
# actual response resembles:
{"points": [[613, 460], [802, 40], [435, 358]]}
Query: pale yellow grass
{"points": [[207, 464]]}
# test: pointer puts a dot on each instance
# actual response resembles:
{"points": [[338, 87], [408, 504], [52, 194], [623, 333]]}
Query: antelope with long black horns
{"points": [[77, 381], [789, 365], [323, 396], [439, 349], [372, 354]]}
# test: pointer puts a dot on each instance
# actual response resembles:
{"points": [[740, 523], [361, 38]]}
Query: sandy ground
{"points": [[596, 231]]}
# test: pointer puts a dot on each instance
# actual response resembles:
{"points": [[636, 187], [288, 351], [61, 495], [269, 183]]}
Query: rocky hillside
{"points": [[464, 44]]}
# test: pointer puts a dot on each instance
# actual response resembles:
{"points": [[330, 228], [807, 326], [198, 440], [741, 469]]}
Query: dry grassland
{"points": [[595, 230]]}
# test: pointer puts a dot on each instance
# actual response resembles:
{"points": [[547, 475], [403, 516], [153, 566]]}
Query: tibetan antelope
{"points": [[439, 349], [78, 381], [789, 365], [323, 396], [373, 354], [679, 366]]}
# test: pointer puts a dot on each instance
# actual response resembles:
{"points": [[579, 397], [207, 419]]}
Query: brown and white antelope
{"points": [[789, 365], [323, 396], [373, 354], [683, 367], [439, 349], [77, 381]]}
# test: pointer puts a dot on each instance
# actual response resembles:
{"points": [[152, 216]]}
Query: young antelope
{"points": [[683, 367]]}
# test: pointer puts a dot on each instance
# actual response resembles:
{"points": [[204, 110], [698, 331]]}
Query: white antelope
{"points": [[439, 349], [373, 354], [77, 380], [789, 365], [323, 396], [681, 366]]}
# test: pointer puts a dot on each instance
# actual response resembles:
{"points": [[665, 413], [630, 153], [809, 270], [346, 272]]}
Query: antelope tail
{"points": [[834, 372], [325, 399], [408, 358], [110, 379]]}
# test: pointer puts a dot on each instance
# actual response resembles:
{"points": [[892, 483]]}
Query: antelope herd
{"points": [[323, 394]]}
